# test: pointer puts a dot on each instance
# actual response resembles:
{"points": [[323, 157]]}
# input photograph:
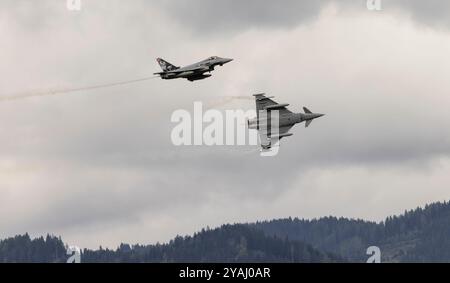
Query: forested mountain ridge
{"points": [[420, 235], [229, 243]]}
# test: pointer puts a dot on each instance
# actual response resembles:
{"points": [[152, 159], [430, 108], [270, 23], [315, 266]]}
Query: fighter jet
{"points": [[270, 134], [194, 72]]}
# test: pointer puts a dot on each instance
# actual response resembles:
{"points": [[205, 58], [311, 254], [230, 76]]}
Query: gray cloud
{"points": [[208, 17], [216, 17], [434, 13], [101, 163]]}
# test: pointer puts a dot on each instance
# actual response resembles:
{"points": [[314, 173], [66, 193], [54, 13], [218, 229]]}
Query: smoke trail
{"points": [[227, 99], [68, 90]]}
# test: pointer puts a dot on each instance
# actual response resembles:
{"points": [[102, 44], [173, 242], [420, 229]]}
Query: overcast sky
{"points": [[98, 167]]}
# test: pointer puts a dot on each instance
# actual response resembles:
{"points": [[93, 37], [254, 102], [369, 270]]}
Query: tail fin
{"points": [[166, 66], [307, 111]]}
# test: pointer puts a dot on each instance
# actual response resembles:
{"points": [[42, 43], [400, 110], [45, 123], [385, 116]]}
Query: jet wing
{"points": [[269, 139], [266, 103]]}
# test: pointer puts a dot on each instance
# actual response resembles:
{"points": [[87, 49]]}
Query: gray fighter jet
{"points": [[194, 72], [269, 133]]}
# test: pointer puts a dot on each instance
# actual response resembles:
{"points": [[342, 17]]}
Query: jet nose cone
{"points": [[227, 60], [317, 115]]}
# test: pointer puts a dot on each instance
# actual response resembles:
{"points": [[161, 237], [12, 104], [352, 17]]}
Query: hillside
{"points": [[420, 235], [229, 243]]}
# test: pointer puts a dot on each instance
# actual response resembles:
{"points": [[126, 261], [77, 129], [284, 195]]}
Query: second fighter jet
{"points": [[271, 129]]}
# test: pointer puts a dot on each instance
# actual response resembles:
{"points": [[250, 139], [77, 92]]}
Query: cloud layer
{"points": [[99, 168]]}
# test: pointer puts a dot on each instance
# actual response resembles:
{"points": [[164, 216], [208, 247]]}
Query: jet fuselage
{"points": [[192, 72]]}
